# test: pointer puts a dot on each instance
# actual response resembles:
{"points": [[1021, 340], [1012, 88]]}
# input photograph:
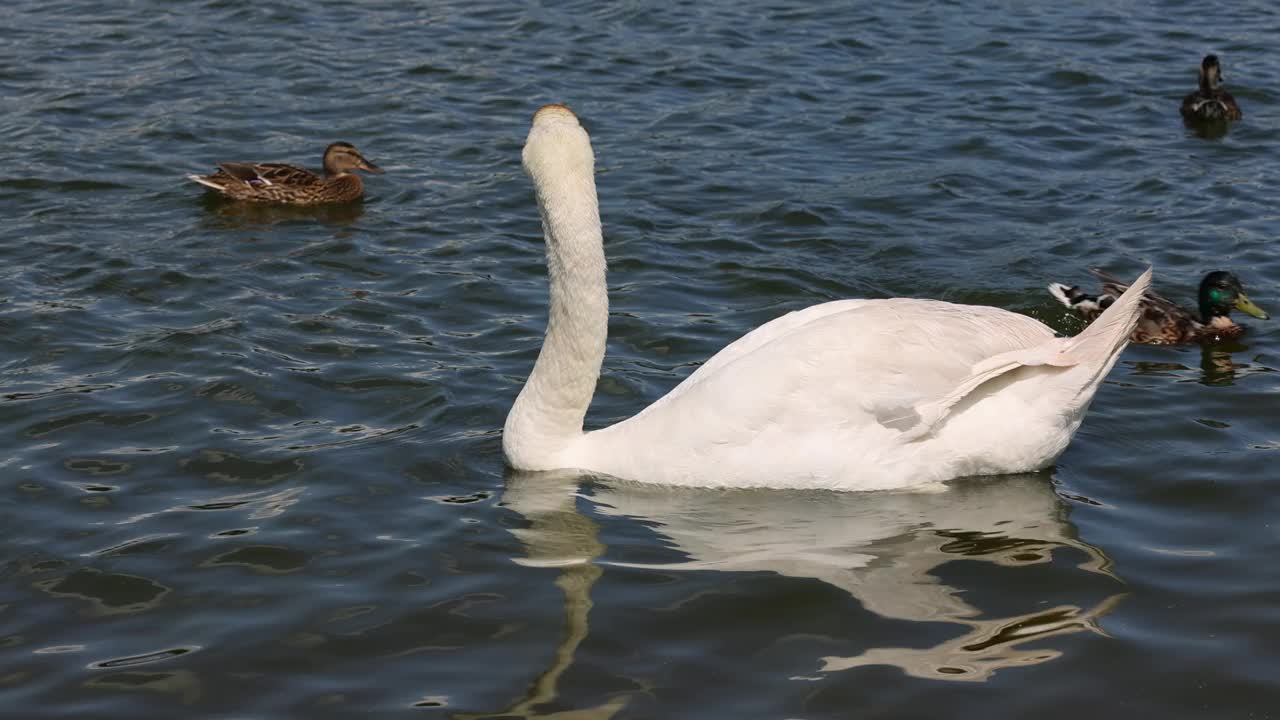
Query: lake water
{"points": [[251, 458]]}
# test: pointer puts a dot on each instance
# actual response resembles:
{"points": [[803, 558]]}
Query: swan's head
{"points": [[557, 146]]}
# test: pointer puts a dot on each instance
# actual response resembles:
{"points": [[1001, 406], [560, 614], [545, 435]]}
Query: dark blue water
{"points": [[250, 458]]}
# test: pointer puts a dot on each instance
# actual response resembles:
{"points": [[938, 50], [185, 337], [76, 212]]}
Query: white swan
{"points": [[847, 395]]}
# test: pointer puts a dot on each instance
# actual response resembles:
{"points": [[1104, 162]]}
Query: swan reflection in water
{"points": [[883, 549]]}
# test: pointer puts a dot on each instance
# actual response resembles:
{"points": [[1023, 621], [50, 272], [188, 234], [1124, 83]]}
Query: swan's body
{"points": [[848, 395]]}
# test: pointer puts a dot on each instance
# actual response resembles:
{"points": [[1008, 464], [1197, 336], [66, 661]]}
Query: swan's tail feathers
{"points": [[1107, 336], [1097, 347]]}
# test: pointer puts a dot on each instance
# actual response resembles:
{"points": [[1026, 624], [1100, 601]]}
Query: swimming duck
{"points": [[845, 395], [1210, 102], [1163, 322], [290, 184]]}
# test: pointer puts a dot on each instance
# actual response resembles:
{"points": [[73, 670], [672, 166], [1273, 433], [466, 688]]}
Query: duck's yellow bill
{"points": [[1244, 304]]}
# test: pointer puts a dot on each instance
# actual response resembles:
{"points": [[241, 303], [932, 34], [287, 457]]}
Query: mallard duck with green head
{"points": [[1210, 102], [1163, 322], [290, 184]]}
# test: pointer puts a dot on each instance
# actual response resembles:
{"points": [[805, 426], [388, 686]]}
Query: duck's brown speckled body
{"points": [[1164, 322], [291, 185], [1210, 102]]}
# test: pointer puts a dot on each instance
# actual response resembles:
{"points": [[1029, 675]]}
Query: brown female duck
{"points": [[1164, 322], [292, 185], [1210, 102]]}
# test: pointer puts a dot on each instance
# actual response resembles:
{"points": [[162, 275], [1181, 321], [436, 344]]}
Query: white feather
{"points": [[848, 395], [1084, 305], [1059, 291], [205, 182]]}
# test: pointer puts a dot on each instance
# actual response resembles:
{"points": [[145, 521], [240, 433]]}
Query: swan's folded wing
{"points": [[833, 368], [773, 330], [1056, 352]]}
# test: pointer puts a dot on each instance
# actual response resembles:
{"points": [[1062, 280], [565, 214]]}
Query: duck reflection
{"points": [[883, 549], [1218, 365], [243, 214], [1209, 130]]}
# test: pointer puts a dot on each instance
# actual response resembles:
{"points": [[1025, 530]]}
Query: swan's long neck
{"points": [[548, 414]]}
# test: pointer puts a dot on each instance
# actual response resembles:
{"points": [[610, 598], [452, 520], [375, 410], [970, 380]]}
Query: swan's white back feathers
{"points": [[812, 403]]}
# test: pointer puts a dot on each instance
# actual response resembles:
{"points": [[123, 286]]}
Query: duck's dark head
{"points": [[1210, 73], [1220, 293], [342, 157]]}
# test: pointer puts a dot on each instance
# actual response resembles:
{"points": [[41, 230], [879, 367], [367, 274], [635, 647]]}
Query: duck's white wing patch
{"points": [[200, 179]]}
